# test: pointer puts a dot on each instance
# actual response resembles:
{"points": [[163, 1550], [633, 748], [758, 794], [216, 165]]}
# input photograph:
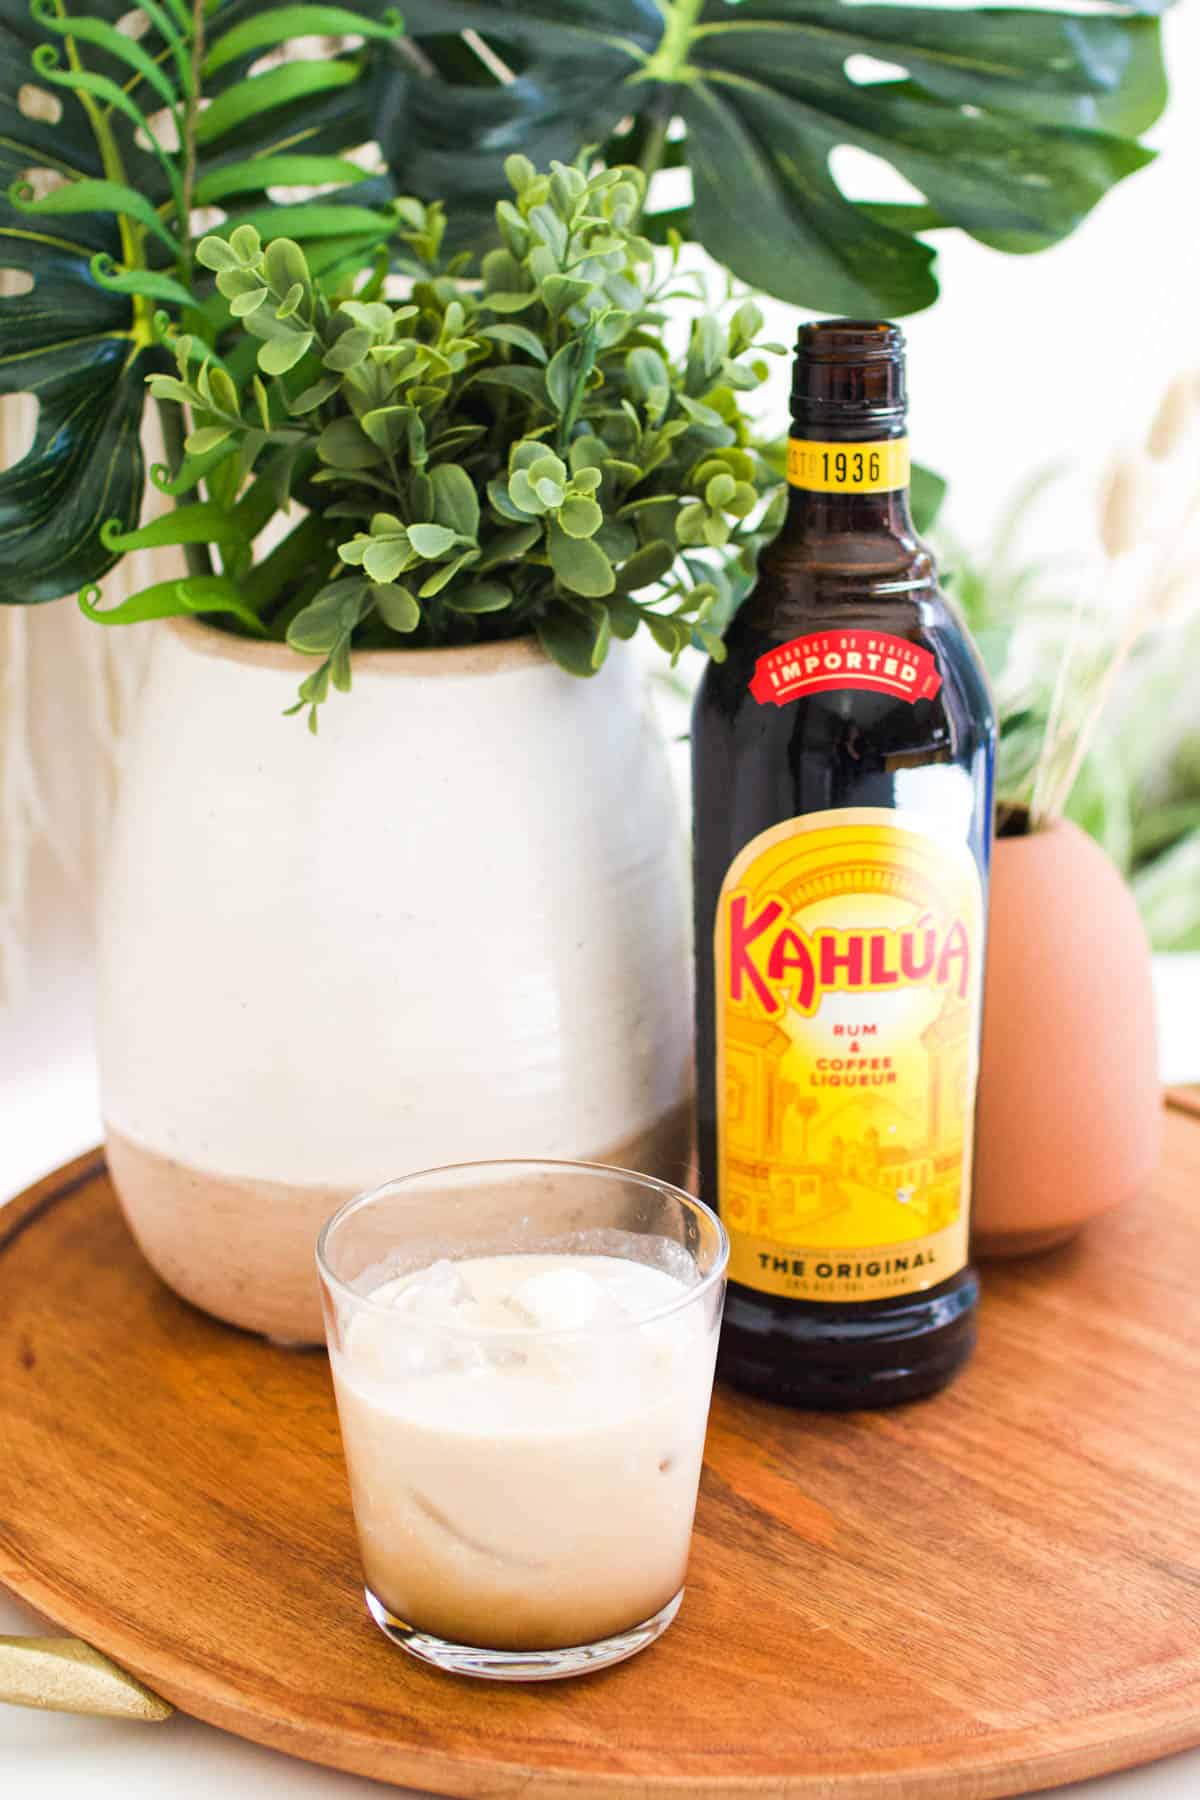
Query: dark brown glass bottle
{"points": [[842, 763]]}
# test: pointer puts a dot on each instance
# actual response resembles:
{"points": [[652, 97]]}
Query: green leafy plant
{"points": [[515, 447], [122, 133], [1010, 123], [1164, 864], [116, 129], [1085, 657]]}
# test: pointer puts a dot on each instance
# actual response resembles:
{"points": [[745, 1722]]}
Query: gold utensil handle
{"points": [[67, 1675]]}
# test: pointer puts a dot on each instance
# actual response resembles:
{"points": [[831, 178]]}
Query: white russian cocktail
{"points": [[524, 1432]]}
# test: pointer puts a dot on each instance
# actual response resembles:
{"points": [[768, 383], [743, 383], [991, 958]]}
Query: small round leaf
{"points": [[396, 606], [431, 541], [579, 516], [580, 564]]}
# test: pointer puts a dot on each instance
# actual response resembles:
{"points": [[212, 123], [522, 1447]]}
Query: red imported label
{"points": [[845, 659]]}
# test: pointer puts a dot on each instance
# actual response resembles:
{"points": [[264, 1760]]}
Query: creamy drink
{"points": [[524, 1463], [523, 1375]]}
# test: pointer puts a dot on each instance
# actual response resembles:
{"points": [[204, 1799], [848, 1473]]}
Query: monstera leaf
{"points": [[105, 153], [1011, 123]]}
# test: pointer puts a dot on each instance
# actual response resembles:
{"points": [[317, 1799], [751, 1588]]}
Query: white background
{"points": [[1021, 363]]}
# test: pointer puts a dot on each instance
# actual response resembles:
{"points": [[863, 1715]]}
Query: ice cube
{"points": [[437, 1293], [427, 1329], [560, 1300], [638, 1289], [438, 1354]]}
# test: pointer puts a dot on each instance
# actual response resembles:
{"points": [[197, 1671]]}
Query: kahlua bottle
{"points": [[842, 758]]}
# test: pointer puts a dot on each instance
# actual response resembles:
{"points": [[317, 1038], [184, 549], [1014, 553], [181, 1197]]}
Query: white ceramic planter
{"points": [[451, 926]]}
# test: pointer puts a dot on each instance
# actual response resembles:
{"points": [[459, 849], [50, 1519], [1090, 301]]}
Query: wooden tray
{"points": [[995, 1591]]}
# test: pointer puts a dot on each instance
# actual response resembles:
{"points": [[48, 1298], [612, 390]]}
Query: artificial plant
{"points": [[121, 131], [115, 142], [1010, 123], [514, 447]]}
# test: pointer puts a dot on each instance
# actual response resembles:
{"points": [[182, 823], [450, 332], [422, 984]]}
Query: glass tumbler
{"points": [[522, 1353]]}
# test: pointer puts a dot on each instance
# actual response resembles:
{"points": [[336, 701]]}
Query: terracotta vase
{"points": [[1069, 1097], [452, 926]]}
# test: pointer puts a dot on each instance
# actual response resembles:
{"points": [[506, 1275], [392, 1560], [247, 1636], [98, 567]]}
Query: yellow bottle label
{"points": [[849, 969], [877, 468]]}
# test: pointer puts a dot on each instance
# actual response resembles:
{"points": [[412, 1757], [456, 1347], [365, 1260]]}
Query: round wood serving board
{"points": [[995, 1591]]}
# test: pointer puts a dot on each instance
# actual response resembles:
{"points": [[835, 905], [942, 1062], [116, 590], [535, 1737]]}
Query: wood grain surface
{"points": [[991, 1592]]}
